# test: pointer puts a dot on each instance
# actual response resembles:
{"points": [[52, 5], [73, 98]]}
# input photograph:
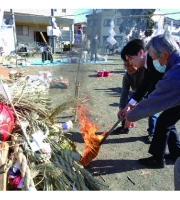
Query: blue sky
{"points": [[82, 5], [81, 18], [174, 16]]}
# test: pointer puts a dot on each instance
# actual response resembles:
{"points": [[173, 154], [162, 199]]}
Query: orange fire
{"points": [[91, 140]]}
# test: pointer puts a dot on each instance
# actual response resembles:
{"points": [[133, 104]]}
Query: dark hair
{"points": [[123, 55], [133, 47]]}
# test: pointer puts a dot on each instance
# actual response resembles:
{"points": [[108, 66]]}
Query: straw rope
{"points": [[88, 178], [83, 178], [24, 168]]}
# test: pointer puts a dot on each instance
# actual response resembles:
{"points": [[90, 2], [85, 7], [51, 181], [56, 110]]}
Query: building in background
{"points": [[99, 23], [30, 22], [172, 26]]}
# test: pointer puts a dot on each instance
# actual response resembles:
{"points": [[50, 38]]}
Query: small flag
{"points": [[111, 39]]}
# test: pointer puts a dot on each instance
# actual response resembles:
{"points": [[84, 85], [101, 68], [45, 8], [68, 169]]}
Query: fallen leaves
{"points": [[145, 173]]}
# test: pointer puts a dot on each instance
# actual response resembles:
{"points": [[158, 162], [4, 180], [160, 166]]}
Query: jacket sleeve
{"points": [[91, 44], [165, 96], [125, 92], [144, 84]]}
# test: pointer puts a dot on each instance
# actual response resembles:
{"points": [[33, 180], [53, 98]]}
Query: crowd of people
{"points": [[153, 72]]}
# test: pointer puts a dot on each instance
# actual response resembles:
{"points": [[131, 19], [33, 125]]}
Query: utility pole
{"points": [[14, 29], [53, 37], [94, 12]]}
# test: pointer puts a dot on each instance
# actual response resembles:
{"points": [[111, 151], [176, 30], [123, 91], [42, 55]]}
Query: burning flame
{"points": [[91, 140]]}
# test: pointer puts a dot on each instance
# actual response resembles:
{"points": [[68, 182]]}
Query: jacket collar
{"points": [[175, 57]]}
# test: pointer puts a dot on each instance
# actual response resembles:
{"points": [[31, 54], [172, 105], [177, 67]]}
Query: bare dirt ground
{"points": [[116, 163]]}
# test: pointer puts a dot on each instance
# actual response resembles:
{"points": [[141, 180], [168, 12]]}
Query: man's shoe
{"points": [[149, 139], [171, 156], [120, 130], [152, 162]]}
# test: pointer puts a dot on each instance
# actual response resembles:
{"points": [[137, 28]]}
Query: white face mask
{"points": [[158, 66]]}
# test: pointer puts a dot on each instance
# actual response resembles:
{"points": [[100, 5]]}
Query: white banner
{"points": [[112, 24], [160, 25], [111, 40], [112, 32], [1, 16], [7, 40]]}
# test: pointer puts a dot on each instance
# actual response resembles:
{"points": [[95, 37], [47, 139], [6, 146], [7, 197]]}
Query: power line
{"points": [[89, 12], [155, 14]]}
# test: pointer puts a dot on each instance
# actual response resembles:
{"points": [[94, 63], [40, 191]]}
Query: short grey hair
{"points": [[162, 42]]}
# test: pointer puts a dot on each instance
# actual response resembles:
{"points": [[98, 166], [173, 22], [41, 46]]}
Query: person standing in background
{"points": [[94, 47], [87, 45]]}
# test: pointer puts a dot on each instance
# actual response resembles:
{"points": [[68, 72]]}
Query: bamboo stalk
{"points": [[43, 37], [76, 101]]}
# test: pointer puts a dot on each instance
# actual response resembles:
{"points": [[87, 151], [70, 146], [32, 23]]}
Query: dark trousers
{"points": [[166, 134], [93, 51], [46, 55], [177, 174]]}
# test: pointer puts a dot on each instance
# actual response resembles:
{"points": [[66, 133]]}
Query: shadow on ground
{"points": [[103, 167], [77, 137], [115, 92]]}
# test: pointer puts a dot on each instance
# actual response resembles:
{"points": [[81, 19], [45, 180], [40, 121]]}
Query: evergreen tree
{"points": [[136, 20]]}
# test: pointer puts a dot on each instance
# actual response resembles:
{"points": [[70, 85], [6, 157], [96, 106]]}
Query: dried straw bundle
{"points": [[56, 170]]}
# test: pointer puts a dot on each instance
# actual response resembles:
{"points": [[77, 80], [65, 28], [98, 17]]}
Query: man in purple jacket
{"points": [[165, 98]]}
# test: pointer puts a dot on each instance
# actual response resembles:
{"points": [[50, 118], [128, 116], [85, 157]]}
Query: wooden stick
{"points": [[43, 37], [4, 149], [76, 101], [102, 178], [131, 180], [111, 130], [24, 133]]}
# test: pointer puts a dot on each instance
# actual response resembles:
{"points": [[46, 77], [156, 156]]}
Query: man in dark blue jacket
{"points": [[138, 81], [133, 48]]}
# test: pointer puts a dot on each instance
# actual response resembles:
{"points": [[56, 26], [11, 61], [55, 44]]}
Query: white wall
{"points": [[7, 40], [46, 12]]}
